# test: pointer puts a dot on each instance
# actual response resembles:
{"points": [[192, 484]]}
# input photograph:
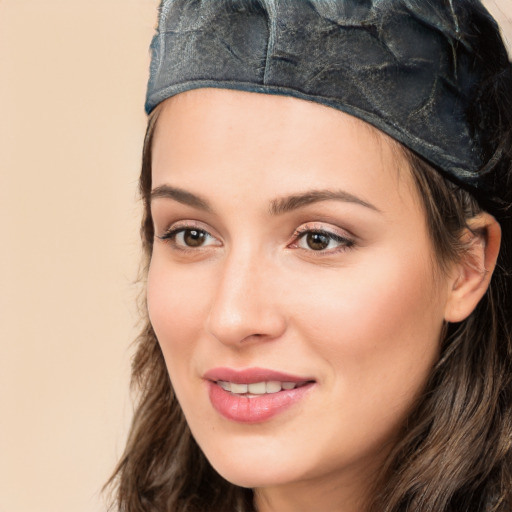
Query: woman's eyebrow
{"points": [[292, 202], [182, 196], [277, 206]]}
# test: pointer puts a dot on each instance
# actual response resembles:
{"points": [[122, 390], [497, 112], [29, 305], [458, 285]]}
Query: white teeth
{"points": [[273, 386], [238, 388], [256, 388], [224, 385]]}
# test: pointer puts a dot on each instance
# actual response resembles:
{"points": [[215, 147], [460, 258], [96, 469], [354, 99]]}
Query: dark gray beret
{"points": [[412, 68]]}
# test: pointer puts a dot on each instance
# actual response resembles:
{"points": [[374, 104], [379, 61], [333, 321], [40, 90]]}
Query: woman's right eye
{"points": [[189, 238]]}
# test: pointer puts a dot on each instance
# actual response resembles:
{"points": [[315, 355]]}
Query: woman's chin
{"points": [[245, 474], [253, 480]]}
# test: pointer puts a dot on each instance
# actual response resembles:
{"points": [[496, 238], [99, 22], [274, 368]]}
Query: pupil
{"points": [[193, 237], [317, 241]]}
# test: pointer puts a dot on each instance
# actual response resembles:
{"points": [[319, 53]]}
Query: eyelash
{"points": [[345, 243]]}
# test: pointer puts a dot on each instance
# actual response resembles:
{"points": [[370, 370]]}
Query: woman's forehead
{"points": [[194, 108], [260, 142]]}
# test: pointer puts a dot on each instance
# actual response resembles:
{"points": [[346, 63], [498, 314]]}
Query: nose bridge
{"points": [[241, 307]]}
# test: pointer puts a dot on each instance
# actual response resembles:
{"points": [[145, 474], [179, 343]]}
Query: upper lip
{"points": [[251, 375]]}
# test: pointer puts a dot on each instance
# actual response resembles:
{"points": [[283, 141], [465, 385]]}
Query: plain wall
{"points": [[72, 84]]}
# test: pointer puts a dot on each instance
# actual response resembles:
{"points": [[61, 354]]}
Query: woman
{"points": [[327, 191]]}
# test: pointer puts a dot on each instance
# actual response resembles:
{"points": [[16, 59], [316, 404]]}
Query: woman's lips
{"points": [[255, 394]]}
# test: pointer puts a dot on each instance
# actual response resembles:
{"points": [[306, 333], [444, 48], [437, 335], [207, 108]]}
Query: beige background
{"points": [[72, 83]]}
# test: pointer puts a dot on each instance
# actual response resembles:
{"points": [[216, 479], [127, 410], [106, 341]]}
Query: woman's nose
{"points": [[244, 307]]}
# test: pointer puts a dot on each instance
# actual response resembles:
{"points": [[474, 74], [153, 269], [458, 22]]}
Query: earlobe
{"points": [[473, 272]]}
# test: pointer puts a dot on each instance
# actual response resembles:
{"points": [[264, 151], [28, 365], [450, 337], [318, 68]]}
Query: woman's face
{"points": [[292, 259]]}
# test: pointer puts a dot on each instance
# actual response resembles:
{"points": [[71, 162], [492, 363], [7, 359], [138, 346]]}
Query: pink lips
{"points": [[253, 409]]}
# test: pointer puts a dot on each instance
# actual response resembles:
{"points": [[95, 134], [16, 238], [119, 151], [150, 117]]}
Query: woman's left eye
{"points": [[321, 241]]}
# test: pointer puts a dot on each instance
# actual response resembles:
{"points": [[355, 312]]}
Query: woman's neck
{"points": [[334, 493]]}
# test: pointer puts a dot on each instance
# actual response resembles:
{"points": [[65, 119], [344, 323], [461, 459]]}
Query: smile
{"points": [[254, 395]]}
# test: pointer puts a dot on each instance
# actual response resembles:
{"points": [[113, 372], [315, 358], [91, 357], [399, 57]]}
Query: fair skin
{"points": [[339, 287]]}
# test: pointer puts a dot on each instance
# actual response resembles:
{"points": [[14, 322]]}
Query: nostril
{"points": [[243, 327]]}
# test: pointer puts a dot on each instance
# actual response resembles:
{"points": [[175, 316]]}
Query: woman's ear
{"points": [[472, 273]]}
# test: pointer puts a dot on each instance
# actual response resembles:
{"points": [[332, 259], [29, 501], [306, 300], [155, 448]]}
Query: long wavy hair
{"points": [[455, 451]]}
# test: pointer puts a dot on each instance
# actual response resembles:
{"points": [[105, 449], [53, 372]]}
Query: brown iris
{"points": [[317, 241], [194, 237]]}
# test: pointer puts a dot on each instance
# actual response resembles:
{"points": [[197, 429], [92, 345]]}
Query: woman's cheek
{"points": [[382, 313], [175, 300]]}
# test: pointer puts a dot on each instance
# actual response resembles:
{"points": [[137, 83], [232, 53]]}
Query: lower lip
{"points": [[256, 409]]}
